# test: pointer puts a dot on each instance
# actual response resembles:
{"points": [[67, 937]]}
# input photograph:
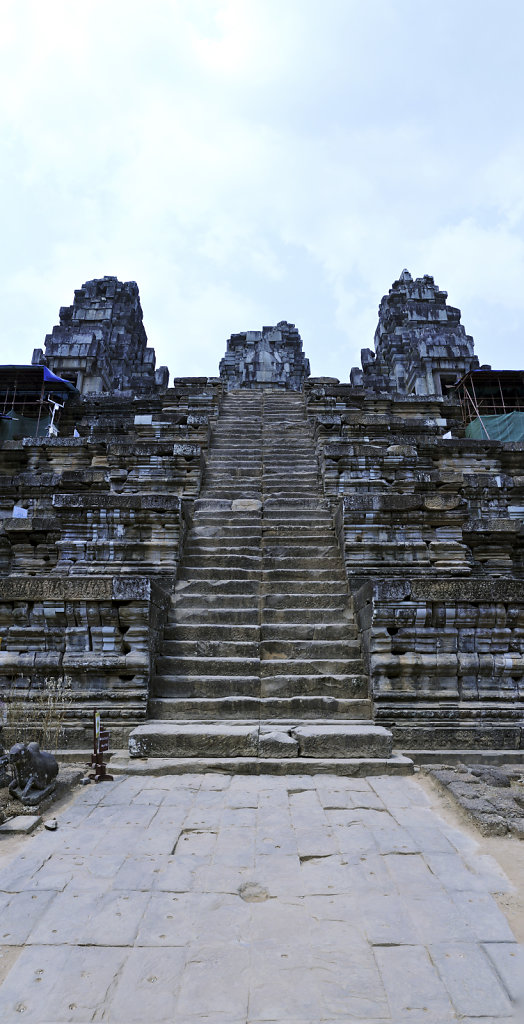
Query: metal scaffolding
{"points": [[489, 395], [31, 398]]}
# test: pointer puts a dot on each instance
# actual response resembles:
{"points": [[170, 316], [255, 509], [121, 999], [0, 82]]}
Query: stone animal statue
{"points": [[5, 777], [34, 772]]}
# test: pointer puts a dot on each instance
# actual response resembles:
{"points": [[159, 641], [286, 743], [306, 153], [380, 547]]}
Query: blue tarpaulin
{"points": [[52, 378]]}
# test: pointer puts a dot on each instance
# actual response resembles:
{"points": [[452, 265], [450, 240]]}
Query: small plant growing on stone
{"points": [[37, 713]]}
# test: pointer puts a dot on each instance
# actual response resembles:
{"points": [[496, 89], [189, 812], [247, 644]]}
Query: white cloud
{"points": [[481, 262]]}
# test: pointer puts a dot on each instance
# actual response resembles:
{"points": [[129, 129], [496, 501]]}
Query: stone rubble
{"points": [[492, 797]]}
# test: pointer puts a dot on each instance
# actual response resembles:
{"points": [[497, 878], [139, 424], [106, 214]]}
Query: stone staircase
{"points": [[260, 669]]}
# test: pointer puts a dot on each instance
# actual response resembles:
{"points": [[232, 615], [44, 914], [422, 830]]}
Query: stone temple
{"points": [[263, 571]]}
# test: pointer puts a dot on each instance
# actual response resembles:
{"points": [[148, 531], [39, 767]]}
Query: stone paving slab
{"points": [[23, 823], [219, 899]]}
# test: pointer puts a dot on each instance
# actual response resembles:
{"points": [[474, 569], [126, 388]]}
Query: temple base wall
{"points": [[445, 660]]}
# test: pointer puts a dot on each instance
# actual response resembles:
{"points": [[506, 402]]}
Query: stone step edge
{"points": [[292, 722], [397, 764], [446, 755]]}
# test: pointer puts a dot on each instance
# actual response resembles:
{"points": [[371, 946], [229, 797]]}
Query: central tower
{"points": [[271, 356]]}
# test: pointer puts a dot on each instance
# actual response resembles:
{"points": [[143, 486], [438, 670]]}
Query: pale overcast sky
{"points": [[250, 161]]}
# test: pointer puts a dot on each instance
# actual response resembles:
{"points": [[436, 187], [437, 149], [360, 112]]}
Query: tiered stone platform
{"points": [[264, 570]]}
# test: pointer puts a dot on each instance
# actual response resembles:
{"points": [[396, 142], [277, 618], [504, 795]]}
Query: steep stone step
{"points": [[273, 666], [217, 573], [227, 523], [222, 437], [281, 631], [261, 666], [230, 459], [217, 482], [222, 545], [238, 472], [237, 533], [350, 767], [301, 553], [236, 493], [300, 616], [267, 555], [217, 589], [283, 490], [221, 458], [208, 686], [273, 572], [199, 648], [209, 510], [214, 549], [219, 708], [294, 537], [221, 561], [195, 632], [302, 518], [340, 739], [302, 479], [335, 597], [218, 666], [303, 685], [311, 649], [218, 616], [216, 476], [307, 564], [240, 467], [210, 594]]}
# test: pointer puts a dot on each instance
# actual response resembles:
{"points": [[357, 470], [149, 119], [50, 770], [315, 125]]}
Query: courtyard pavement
{"points": [[249, 900]]}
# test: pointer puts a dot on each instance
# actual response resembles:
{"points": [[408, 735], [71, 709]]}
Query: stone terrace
{"points": [[254, 900]]}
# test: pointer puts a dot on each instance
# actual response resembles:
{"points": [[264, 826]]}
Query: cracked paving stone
{"points": [[286, 901]]}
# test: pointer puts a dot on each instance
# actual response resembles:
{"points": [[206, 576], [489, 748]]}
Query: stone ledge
{"points": [[352, 767], [81, 588], [107, 500], [470, 591], [20, 824], [470, 755]]}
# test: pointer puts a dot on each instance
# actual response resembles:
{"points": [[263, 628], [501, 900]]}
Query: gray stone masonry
{"points": [[213, 899], [261, 660], [101, 343], [86, 576], [420, 344], [432, 532], [309, 554], [272, 356]]}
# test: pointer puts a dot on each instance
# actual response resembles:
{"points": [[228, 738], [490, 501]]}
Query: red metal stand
{"points": [[100, 746]]}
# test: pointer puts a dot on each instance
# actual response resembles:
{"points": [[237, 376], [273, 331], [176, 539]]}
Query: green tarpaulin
{"points": [[497, 428], [15, 426]]}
